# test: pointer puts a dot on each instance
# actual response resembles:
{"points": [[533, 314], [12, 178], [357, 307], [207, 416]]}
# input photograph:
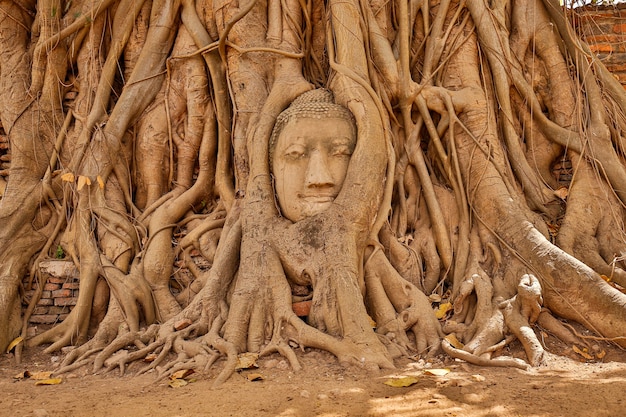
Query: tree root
{"points": [[482, 361]]}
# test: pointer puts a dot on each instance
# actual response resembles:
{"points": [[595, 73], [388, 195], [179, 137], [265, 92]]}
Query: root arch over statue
{"points": [[411, 166]]}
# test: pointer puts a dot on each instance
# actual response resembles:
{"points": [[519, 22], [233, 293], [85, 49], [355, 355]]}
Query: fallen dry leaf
{"points": [[150, 357], [68, 177], [451, 338], [177, 383], [41, 375], [100, 182], [478, 378], [437, 372], [255, 377], [182, 374], [601, 354], [405, 381], [247, 360], [82, 181], [182, 324], [14, 343], [582, 353], [49, 381], [561, 193], [22, 375], [442, 310]]}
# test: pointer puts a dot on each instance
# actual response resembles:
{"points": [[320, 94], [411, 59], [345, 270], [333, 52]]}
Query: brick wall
{"points": [[59, 293], [604, 29]]}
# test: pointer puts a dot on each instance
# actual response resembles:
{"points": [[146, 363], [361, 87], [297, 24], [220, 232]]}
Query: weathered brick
{"points": [[44, 319], [619, 27], [72, 285], [57, 280], [58, 310], [45, 302], [62, 293], [51, 286], [614, 59], [40, 310], [604, 38], [65, 301], [601, 48]]}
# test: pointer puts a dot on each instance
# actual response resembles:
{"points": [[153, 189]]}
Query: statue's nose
{"points": [[318, 174]]}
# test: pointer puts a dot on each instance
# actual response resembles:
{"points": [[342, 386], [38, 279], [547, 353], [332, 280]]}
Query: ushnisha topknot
{"points": [[314, 104]]}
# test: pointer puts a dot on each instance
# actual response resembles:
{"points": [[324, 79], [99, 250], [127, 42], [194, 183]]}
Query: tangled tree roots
{"points": [[139, 148]]}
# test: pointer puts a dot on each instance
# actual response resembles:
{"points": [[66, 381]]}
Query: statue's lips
{"points": [[318, 199]]}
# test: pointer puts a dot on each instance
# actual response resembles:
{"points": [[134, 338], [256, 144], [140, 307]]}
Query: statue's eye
{"points": [[341, 150], [294, 152]]}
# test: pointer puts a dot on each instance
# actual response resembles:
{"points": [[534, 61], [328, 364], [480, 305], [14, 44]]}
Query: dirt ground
{"points": [[563, 386]]}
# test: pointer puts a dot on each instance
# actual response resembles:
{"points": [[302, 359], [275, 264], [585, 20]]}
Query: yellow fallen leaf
{"points": [[68, 177], [255, 377], [247, 360], [582, 353], [607, 279], [443, 309], [150, 357], [405, 381], [82, 181], [22, 375], [451, 338], [14, 343], [437, 372], [182, 374], [177, 383], [50, 381], [41, 375], [100, 182], [601, 354], [372, 322], [478, 378], [561, 193]]}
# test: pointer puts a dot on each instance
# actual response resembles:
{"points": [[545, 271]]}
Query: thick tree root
{"points": [[482, 361]]}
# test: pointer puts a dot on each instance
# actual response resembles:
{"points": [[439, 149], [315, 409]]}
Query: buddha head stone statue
{"points": [[310, 149]]}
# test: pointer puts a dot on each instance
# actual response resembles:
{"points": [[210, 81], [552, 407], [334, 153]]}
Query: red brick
{"points": [[63, 316], [58, 310], [61, 293], [51, 287], [65, 301], [73, 285], [302, 308], [601, 48], [57, 280], [604, 38], [45, 302]]}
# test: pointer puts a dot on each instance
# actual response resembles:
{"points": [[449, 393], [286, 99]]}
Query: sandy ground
{"points": [[563, 386]]}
